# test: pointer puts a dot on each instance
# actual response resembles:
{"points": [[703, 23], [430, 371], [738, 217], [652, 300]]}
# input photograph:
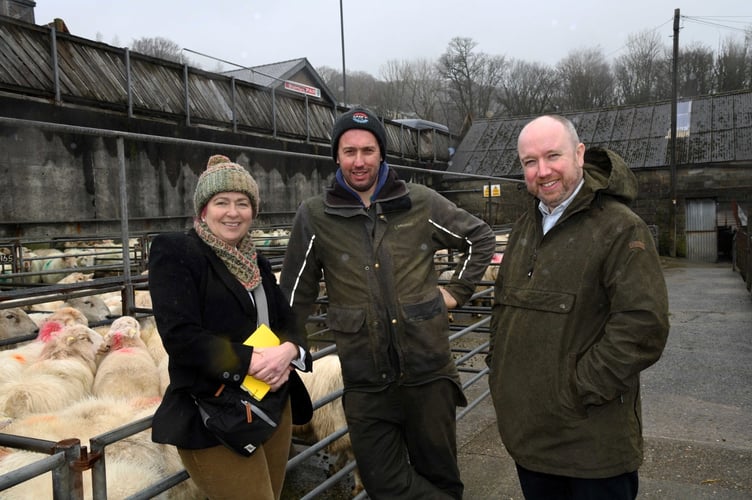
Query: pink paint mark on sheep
{"points": [[117, 341], [48, 330]]}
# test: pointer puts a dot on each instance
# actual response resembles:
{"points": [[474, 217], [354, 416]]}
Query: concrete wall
{"points": [[725, 184], [60, 183]]}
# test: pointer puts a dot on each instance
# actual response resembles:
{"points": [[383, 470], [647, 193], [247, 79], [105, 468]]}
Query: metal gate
{"points": [[701, 230]]}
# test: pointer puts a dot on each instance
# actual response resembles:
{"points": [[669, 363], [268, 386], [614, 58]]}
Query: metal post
{"points": [[55, 68], [128, 82], [274, 112], [187, 96], [674, 86], [128, 293], [342, 36], [234, 105]]}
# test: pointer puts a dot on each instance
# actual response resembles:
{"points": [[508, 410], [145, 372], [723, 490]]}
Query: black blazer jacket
{"points": [[204, 314]]}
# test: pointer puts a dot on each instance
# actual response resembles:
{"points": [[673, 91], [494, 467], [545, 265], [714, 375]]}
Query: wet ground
{"points": [[697, 404]]}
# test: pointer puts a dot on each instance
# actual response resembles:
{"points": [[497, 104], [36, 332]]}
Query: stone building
{"points": [[693, 201]]}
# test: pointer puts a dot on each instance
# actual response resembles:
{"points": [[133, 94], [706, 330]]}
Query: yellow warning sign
{"points": [[495, 190]]}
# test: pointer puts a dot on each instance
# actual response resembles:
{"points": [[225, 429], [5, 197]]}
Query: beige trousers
{"points": [[222, 474]]}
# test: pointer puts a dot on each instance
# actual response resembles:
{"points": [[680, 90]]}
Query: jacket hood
{"points": [[607, 173]]}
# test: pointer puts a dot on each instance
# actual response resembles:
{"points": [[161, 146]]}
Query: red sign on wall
{"points": [[302, 88]]}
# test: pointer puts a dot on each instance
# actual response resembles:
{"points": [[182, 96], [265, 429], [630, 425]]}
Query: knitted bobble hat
{"points": [[222, 175], [358, 118]]}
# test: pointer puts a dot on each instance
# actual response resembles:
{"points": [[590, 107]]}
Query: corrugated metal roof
{"points": [[720, 130]]}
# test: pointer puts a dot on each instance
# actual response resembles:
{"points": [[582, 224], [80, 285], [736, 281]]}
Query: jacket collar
{"points": [[391, 193]]}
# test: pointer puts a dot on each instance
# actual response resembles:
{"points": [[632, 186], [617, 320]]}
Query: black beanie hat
{"points": [[358, 118]]}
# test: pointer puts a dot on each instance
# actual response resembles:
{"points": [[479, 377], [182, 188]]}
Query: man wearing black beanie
{"points": [[373, 237]]}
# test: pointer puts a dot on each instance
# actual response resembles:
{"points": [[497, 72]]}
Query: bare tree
{"points": [[639, 70], [733, 66], [472, 77], [159, 47], [528, 88], [695, 70], [333, 80], [413, 88], [396, 76], [585, 81]]}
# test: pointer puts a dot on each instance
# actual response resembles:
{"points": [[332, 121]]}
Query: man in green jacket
{"points": [[580, 309], [374, 237]]}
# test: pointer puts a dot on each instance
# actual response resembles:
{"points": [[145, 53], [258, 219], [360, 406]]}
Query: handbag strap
{"points": [[262, 308]]}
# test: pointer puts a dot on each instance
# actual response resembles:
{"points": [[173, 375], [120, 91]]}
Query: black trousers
{"points": [[539, 486], [405, 441]]}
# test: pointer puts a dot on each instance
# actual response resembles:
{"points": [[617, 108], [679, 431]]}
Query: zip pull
{"points": [[248, 412], [532, 264]]}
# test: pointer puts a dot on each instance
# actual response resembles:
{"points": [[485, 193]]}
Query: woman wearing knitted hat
{"points": [[208, 286]]}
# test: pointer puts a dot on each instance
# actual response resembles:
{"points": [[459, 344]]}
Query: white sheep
{"points": [[65, 315], [92, 306], [52, 260], [64, 373], [84, 255], [127, 369], [150, 336], [15, 322], [325, 379], [133, 463], [14, 361]]}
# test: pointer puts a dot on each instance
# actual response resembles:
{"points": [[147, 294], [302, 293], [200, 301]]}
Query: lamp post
{"points": [[342, 35]]}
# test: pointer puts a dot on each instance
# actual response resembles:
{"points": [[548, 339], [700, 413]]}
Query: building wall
{"points": [[725, 184], [60, 183]]}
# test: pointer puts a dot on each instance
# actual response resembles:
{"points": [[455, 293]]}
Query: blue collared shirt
{"points": [[550, 217]]}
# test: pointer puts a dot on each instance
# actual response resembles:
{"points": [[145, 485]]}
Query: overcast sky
{"points": [[254, 32]]}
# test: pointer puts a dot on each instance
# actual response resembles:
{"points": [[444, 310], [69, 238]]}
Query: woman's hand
{"points": [[272, 364]]}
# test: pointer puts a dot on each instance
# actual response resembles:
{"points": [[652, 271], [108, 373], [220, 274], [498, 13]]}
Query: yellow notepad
{"points": [[262, 337]]}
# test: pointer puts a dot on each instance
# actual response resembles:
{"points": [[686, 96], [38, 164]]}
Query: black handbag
{"points": [[240, 421]]}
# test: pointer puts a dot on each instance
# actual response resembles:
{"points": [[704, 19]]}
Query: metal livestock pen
{"points": [[68, 458]]}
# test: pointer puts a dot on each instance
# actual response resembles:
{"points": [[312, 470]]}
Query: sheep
{"points": [[84, 256], [114, 301], [325, 379], [133, 463], [164, 374], [127, 369], [52, 260], [13, 362], [92, 306], [15, 322], [48, 326], [65, 315], [64, 373], [8, 266], [150, 336], [275, 237]]}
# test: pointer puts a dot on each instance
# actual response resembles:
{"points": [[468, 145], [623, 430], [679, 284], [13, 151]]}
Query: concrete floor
{"points": [[697, 404]]}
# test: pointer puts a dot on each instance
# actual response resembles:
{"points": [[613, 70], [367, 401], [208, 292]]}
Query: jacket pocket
{"points": [[426, 335], [345, 319], [353, 344], [541, 300], [535, 329]]}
